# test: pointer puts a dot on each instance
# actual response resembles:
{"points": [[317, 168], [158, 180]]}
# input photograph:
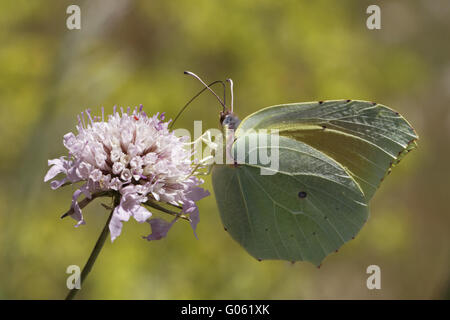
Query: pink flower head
{"points": [[134, 158]]}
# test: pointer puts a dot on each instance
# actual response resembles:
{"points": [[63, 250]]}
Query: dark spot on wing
{"points": [[320, 102], [302, 194]]}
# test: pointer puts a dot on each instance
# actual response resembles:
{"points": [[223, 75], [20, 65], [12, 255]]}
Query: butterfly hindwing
{"points": [[309, 208]]}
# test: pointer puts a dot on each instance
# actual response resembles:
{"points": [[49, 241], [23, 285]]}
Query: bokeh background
{"points": [[132, 52]]}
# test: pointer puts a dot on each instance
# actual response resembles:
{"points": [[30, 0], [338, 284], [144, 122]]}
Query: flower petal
{"points": [[189, 207], [122, 212], [57, 166], [197, 193], [195, 219], [160, 228], [55, 184], [115, 225], [141, 214], [77, 215]]}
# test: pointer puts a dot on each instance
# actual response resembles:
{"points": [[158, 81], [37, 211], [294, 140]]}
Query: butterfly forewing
{"points": [[365, 138]]}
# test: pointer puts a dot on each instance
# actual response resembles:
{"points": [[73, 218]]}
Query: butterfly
{"points": [[332, 157]]}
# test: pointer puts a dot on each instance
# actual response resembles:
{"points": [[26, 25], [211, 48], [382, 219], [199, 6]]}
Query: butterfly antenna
{"points": [[231, 89], [207, 87], [195, 97]]}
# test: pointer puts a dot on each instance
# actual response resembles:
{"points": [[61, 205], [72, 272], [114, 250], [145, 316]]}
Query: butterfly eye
{"points": [[231, 121], [302, 194]]}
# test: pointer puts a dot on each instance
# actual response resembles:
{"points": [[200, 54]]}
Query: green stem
{"points": [[94, 254]]}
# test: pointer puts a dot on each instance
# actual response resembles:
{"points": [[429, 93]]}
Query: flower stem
{"points": [[94, 254]]}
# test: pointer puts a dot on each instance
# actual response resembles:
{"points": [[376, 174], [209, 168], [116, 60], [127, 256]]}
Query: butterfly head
{"points": [[229, 120]]}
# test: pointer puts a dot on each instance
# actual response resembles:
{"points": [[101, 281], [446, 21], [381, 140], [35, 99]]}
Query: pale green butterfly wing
{"points": [[336, 152], [365, 138], [305, 211]]}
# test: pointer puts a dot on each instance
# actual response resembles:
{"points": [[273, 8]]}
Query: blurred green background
{"points": [[132, 52]]}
